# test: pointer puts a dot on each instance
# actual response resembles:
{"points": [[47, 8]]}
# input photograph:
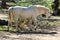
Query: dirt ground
{"points": [[3, 16], [27, 36]]}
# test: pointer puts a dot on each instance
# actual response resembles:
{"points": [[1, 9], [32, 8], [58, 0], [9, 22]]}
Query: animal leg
{"points": [[35, 23]]}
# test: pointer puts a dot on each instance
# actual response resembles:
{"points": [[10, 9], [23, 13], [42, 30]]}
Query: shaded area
{"points": [[38, 32], [3, 22], [4, 3], [55, 7], [30, 32]]}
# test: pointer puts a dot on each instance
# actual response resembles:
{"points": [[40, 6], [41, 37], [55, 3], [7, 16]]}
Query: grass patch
{"points": [[3, 27]]}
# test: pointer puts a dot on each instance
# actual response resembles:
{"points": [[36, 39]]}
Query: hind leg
{"points": [[9, 25]]}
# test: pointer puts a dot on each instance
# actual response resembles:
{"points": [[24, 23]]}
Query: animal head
{"points": [[43, 10]]}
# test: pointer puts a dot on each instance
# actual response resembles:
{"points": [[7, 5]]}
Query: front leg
{"points": [[35, 23], [16, 25]]}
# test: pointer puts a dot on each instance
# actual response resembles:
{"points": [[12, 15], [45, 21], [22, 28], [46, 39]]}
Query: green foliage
{"points": [[46, 3], [39, 2], [23, 4], [3, 27]]}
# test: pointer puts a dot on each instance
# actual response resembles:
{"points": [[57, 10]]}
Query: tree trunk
{"points": [[55, 7]]}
